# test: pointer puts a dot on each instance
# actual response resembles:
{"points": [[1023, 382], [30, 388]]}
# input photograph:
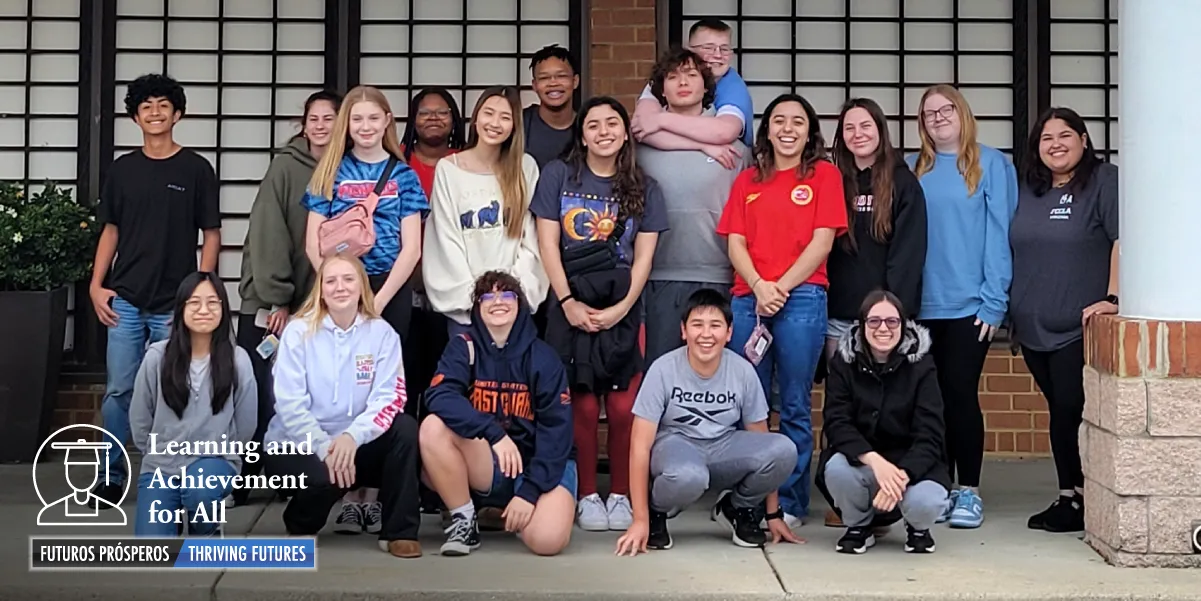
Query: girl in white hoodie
{"points": [[339, 382], [480, 219]]}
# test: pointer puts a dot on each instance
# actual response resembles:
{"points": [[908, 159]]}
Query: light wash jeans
{"points": [[127, 342], [174, 498]]}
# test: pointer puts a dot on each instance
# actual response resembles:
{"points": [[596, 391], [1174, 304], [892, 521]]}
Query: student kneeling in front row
{"points": [[500, 426], [339, 378], [883, 423], [685, 439]]}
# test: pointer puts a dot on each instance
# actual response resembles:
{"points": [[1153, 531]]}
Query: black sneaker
{"points": [[350, 519], [856, 541], [1066, 514], [658, 538], [742, 522], [108, 492], [462, 536], [918, 541]]}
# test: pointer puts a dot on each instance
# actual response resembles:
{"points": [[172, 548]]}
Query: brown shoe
{"points": [[404, 549], [490, 519], [833, 520]]}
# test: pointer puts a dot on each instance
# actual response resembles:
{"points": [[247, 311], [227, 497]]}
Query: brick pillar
{"points": [[1141, 440], [623, 48]]}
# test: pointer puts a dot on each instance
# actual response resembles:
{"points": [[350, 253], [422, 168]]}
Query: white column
{"points": [[1160, 263]]}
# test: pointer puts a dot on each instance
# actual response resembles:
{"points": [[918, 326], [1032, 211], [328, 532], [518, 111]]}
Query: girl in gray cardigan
{"points": [[194, 407]]}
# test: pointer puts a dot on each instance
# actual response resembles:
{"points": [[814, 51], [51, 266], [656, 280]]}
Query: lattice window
{"points": [[462, 45], [888, 50], [246, 66], [1084, 67]]}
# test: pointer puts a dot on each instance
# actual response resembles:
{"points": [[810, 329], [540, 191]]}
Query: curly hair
{"points": [[497, 280], [154, 85], [629, 185], [677, 59]]}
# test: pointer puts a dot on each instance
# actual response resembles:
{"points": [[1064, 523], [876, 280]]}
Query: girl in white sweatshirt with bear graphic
{"points": [[339, 382], [480, 218]]}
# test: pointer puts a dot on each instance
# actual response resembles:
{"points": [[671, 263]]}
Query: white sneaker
{"points": [[621, 515], [591, 514], [792, 521]]}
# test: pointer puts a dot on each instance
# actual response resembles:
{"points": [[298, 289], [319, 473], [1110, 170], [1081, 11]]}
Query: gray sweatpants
{"points": [[751, 464], [853, 487]]}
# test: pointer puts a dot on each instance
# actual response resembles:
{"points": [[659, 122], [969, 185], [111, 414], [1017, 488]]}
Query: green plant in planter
{"points": [[47, 240]]}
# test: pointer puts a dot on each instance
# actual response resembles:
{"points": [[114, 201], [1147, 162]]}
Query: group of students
{"points": [[536, 267]]}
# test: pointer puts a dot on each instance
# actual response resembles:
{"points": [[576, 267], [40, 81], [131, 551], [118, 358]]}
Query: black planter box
{"points": [[31, 352]]}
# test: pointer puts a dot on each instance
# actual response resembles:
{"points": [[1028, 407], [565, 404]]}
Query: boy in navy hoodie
{"points": [[498, 389]]}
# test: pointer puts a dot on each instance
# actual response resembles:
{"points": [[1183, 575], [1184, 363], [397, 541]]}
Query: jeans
{"points": [[798, 334], [127, 342], [854, 486], [174, 498]]}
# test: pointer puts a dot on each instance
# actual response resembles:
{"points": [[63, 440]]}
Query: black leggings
{"points": [[388, 463], [1060, 376], [422, 350], [959, 357], [399, 311]]}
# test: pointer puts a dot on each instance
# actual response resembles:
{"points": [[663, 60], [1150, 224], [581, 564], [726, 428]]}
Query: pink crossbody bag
{"points": [[353, 232]]}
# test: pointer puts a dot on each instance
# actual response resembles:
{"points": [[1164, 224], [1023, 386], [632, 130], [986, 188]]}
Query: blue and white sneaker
{"points": [[946, 513], [969, 510]]}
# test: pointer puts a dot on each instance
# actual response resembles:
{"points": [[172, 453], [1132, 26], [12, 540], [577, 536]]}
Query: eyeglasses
{"points": [[873, 323], [507, 295], [428, 113], [713, 48], [945, 112], [194, 304]]}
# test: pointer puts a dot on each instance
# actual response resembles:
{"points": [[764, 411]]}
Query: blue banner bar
{"points": [[248, 553]]}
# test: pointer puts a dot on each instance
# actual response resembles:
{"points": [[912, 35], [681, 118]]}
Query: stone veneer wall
{"points": [[1141, 440]]}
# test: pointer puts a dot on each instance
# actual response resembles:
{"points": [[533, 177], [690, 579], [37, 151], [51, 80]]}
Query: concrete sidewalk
{"points": [[1001, 560]]}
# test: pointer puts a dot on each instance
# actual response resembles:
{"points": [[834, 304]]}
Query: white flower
{"points": [[17, 237], [11, 212]]}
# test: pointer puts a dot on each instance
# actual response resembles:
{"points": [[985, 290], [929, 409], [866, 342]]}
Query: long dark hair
{"points": [[510, 167], [454, 138], [1037, 174], [884, 162], [329, 96], [815, 145], [177, 359], [629, 185], [872, 299]]}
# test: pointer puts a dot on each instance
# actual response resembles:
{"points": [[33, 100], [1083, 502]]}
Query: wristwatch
{"points": [[1112, 298], [778, 515]]}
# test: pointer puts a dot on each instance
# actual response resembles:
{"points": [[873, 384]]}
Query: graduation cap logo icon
{"points": [[86, 464]]}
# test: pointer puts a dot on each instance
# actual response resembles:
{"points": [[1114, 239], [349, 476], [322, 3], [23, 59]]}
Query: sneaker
{"points": [[108, 492], [856, 541], [918, 541], [1066, 514], [592, 515], [350, 521], [462, 536], [969, 510], [658, 538], [946, 513], [373, 518], [621, 515], [742, 522]]}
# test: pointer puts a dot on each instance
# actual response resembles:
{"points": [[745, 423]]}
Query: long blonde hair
{"points": [[509, 171], [969, 151], [322, 182], [314, 309]]}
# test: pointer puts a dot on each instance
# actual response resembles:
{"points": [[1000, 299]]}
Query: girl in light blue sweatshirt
{"points": [[194, 408], [971, 196]]}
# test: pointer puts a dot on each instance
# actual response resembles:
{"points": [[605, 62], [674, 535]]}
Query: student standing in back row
{"points": [[548, 123], [971, 195], [480, 219], [364, 152], [276, 273], [690, 255], [154, 202], [662, 129]]}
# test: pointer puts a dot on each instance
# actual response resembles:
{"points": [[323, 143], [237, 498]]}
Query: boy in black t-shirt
{"points": [[548, 123], [154, 201]]}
